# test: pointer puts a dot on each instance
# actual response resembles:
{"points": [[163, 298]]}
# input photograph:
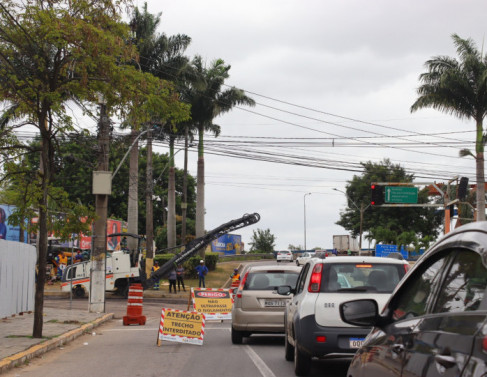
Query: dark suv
{"points": [[435, 323]]}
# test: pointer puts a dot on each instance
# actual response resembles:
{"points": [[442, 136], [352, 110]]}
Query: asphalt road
{"points": [[117, 350]]}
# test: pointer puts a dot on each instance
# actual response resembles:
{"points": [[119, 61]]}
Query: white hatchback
{"points": [[284, 255], [312, 320], [304, 258]]}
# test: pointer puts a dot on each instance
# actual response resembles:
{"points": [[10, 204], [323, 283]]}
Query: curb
{"points": [[38, 349]]}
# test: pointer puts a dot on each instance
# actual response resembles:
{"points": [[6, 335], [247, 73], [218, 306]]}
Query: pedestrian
{"points": [[180, 277], [3, 227], [172, 280], [202, 271], [155, 267], [62, 259], [235, 280], [349, 252], [78, 257]]}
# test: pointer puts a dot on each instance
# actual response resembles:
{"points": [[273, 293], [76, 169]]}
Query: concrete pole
{"points": [[149, 215], [98, 257]]}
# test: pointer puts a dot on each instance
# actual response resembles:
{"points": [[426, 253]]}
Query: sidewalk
{"points": [[60, 327]]}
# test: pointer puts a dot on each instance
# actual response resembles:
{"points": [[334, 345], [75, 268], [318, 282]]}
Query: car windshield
{"points": [[361, 277], [270, 280]]}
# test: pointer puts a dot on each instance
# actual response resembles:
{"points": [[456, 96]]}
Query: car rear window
{"points": [[270, 280], [361, 277]]}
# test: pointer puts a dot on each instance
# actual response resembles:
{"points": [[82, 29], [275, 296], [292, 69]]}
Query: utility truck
{"points": [[125, 267]]}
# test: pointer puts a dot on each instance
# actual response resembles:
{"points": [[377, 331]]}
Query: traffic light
{"points": [[462, 188], [377, 195]]}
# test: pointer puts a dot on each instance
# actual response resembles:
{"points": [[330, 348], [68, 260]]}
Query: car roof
{"points": [[268, 267], [471, 236], [360, 259]]}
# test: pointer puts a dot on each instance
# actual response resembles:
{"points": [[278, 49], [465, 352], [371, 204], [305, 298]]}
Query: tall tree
{"points": [[459, 87], [162, 56], [386, 223], [208, 100], [54, 51]]}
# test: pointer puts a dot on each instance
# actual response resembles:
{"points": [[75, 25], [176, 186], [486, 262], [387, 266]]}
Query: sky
{"points": [[334, 82]]}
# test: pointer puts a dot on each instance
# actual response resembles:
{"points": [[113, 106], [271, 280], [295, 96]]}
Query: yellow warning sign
{"points": [[215, 303], [182, 326]]}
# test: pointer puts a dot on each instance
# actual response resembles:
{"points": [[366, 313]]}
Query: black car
{"points": [[435, 323]]}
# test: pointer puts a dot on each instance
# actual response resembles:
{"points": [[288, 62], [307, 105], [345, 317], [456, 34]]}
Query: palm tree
{"points": [[208, 100], [163, 57], [459, 87]]}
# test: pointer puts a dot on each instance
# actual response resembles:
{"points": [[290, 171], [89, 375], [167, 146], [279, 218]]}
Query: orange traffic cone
{"points": [[134, 306]]}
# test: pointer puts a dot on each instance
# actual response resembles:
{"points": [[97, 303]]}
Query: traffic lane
{"points": [[271, 350]]}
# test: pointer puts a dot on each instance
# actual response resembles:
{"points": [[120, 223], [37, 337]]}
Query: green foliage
{"points": [[262, 240], [458, 87], [386, 224]]}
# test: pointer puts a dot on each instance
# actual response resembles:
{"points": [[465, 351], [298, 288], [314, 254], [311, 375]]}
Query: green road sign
{"points": [[401, 194]]}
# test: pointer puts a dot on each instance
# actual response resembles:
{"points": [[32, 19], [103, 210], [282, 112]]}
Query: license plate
{"points": [[275, 303], [356, 342]]}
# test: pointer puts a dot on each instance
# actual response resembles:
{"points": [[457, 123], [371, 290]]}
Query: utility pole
{"points": [[149, 215], [101, 188], [133, 201]]}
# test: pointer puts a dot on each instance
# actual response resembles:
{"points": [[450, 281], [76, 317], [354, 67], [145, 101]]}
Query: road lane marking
{"points": [[264, 370]]}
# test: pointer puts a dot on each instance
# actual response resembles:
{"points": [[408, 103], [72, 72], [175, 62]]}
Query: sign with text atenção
{"points": [[181, 326]]}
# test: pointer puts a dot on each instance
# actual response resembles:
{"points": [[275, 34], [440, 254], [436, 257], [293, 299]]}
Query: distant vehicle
{"points": [[284, 255], [344, 242], [435, 323], [257, 307], [313, 327], [304, 258]]}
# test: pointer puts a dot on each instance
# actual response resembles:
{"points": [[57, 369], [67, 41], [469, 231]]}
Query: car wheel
{"points": [[302, 362], [288, 349], [79, 291], [297, 263], [278, 261], [237, 336]]}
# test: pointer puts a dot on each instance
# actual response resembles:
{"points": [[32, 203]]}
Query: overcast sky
{"points": [[339, 75]]}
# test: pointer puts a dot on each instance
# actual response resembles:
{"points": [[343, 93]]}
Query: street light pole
{"points": [[304, 199], [361, 211]]}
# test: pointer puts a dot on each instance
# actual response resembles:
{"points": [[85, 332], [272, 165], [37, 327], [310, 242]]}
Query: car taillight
{"points": [[321, 339], [241, 286], [315, 280], [484, 343], [406, 267]]}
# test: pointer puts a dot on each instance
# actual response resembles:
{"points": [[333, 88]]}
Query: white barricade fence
{"points": [[17, 277]]}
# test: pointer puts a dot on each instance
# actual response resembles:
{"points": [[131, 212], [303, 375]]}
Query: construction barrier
{"points": [[134, 306]]}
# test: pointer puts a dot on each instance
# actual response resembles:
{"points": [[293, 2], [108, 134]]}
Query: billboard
{"points": [[228, 244], [7, 231]]}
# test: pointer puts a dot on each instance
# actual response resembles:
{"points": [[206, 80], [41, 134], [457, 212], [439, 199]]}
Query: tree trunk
{"points": [[200, 193], [479, 165], [171, 199], [480, 187], [133, 199], [184, 204], [44, 173]]}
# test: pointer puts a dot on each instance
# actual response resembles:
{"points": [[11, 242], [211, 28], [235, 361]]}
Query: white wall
{"points": [[17, 277]]}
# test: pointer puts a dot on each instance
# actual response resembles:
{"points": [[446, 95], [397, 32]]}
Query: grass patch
{"points": [[215, 279]]}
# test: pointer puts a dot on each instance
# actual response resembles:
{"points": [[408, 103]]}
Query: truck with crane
{"points": [[124, 267]]}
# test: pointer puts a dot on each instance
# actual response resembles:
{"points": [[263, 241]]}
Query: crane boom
{"points": [[193, 246]]}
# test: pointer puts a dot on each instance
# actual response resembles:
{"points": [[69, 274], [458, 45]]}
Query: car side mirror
{"points": [[284, 290], [360, 312]]}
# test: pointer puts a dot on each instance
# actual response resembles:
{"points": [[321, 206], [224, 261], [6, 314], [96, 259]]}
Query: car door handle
{"points": [[446, 361], [397, 348]]}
